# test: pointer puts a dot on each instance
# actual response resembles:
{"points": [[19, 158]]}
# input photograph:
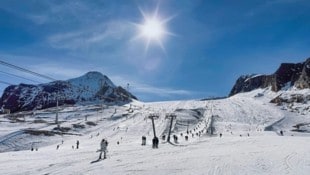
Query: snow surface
{"points": [[244, 148]]}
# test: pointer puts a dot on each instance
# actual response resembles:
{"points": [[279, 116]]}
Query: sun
{"points": [[153, 29]]}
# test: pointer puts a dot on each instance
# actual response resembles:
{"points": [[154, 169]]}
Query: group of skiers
{"points": [[155, 142], [103, 148]]}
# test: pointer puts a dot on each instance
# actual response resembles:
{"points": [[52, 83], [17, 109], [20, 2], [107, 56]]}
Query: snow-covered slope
{"points": [[248, 122]]}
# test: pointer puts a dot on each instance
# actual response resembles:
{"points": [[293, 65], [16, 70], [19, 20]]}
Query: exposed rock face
{"points": [[304, 79], [89, 87], [288, 74], [293, 98]]}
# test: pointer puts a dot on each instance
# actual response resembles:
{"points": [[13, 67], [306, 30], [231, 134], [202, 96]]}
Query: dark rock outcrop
{"points": [[288, 74], [293, 98], [304, 79], [92, 86]]}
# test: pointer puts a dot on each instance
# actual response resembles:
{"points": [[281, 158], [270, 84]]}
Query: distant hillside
{"points": [[287, 75], [90, 87]]}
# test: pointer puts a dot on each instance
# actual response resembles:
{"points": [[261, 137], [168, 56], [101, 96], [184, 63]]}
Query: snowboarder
{"points": [[281, 132], [103, 148], [77, 144], [220, 134]]}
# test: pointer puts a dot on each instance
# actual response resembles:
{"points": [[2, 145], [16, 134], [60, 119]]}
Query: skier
{"points": [[143, 140], [153, 143], [77, 144], [281, 132], [175, 138], [103, 148], [156, 142]]}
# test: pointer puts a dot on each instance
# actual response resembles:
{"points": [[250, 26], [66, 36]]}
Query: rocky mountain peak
{"points": [[288, 74], [92, 86]]}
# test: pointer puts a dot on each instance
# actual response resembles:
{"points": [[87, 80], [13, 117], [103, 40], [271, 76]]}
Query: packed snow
{"points": [[246, 138]]}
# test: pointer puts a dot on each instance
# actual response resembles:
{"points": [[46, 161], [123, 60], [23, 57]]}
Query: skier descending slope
{"points": [[103, 148], [77, 144]]}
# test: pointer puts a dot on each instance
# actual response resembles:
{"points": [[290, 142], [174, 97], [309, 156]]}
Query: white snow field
{"points": [[250, 144]]}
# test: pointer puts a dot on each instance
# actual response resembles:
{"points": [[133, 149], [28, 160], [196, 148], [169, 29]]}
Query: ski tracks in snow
{"points": [[288, 162], [220, 166]]}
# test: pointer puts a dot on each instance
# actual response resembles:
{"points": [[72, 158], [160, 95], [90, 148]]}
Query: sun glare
{"points": [[153, 29]]}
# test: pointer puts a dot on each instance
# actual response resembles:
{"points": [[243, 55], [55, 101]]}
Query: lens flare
{"points": [[153, 29]]}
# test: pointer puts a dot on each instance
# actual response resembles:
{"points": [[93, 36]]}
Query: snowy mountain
{"points": [[287, 75], [261, 131], [90, 87]]}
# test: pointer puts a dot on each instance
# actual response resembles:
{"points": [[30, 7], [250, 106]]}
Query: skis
{"points": [[98, 160]]}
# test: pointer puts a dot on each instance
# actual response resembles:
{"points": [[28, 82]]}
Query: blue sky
{"points": [[213, 42]]}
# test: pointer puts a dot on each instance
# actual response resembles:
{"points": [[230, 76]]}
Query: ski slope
{"points": [[244, 148]]}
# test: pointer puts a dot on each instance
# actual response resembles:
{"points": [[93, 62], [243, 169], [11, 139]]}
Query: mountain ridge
{"points": [[91, 86], [288, 74]]}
